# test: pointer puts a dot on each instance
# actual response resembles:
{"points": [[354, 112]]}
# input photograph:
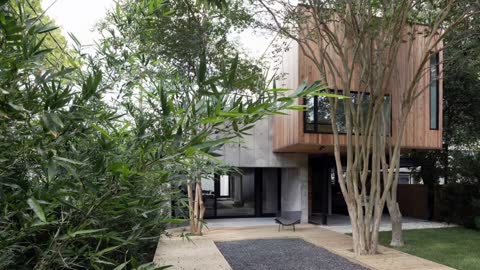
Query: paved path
{"points": [[202, 253], [239, 222], [341, 224]]}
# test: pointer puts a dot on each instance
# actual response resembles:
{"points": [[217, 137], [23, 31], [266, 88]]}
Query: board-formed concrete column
{"points": [[303, 179], [295, 191]]}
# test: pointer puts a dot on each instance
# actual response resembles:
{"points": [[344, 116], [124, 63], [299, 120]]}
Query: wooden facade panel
{"points": [[289, 133]]}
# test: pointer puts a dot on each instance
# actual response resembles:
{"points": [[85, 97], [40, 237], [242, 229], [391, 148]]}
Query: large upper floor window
{"points": [[434, 91], [317, 116]]}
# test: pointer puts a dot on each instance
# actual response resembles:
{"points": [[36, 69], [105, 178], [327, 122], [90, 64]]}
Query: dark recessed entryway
{"points": [[326, 196], [250, 192]]}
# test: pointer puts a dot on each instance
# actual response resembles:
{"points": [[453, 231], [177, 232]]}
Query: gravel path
{"points": [[291, 253]]}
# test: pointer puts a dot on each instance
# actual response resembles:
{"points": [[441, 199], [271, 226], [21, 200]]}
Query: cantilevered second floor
{"points": [[311, 131]]}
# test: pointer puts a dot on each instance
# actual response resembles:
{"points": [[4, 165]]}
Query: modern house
{"points": [[287, 163]]}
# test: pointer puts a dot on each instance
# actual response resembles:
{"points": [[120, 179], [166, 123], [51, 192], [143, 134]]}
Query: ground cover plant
{"points": [[456, 247]]}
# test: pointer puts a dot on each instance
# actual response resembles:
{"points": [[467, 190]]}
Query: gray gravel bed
{"points": [[289, 253]]}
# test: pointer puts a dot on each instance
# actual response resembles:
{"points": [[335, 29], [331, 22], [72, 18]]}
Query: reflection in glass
{"points": [[238, 197], [208, 192], [224, 186], [269, 191], [318, 113], [324, 115], [309, 114]]}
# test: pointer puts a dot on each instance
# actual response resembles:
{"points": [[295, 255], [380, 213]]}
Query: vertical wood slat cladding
{"points": [[288, 134]]}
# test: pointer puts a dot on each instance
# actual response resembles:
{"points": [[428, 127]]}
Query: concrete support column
{"points": [[295, 190], [303, 180]]}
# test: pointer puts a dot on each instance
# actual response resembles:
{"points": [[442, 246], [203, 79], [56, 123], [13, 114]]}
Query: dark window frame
{"points": [[315, 115], [437, 89]]}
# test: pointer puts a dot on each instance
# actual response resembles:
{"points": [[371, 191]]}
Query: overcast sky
{"points": [[80, 17]]}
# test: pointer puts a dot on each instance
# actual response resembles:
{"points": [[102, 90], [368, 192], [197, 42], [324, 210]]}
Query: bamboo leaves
{"points": [[100, 152], [232, 72], [91, 231], [37, 209]]}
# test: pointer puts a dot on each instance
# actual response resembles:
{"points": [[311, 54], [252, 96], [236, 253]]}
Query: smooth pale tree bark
{"points": [[354, 47], [196, 207], [201, 207], [396, 218], [191, 206], [395, 214]]}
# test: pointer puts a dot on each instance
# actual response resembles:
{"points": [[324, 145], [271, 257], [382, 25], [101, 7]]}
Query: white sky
{"points": [[80, 16]]}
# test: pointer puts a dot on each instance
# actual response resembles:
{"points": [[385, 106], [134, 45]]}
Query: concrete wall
{"points": [[256, 150], [295, 191]]}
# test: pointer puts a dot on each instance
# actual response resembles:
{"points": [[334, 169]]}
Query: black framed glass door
{"points": [[235, 194], [250, 192]]}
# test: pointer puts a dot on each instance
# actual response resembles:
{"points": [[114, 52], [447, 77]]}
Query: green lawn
{"points": [[456, 247]]}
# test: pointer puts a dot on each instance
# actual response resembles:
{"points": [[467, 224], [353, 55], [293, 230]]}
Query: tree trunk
{"points": [[396, 219], [194, 228], [196, 207], [201, 207], [190, 205], [445, 163]]}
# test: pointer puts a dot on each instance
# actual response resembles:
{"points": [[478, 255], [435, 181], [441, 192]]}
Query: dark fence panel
{"points": [[413, 201]]}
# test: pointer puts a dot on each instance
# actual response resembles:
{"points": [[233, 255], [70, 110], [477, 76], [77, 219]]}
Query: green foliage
{"points": [[461, 82], [174, 60], [476, 220], [92, 157], [192, 40], [53, 41], [68, 193], [455, 247], [458, 161], [459, 203]]}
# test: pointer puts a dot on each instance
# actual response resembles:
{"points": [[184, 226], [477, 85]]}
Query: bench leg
{"points": [[293, 227], [278, 227]]}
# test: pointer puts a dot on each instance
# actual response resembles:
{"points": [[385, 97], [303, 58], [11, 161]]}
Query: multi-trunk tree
{"points": [[354, 47]]}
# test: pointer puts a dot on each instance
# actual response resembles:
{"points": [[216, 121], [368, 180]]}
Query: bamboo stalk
{"points": [[190, 206]]}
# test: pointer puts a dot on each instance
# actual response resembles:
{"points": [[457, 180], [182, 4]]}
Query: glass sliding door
{"points": [[208, 192], [270, 191], [235, 194], [249, 192]]}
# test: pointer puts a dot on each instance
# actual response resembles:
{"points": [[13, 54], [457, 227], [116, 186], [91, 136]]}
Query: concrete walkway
{"points": [[201, 252], [341, 224], [337, 223], [239, 222]]}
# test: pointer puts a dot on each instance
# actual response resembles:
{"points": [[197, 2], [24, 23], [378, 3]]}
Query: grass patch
{"points": [[456, 247]]}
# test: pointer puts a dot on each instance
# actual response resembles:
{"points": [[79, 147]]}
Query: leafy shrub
{"points": [[457, 203], [88, 184], [73, 194], [476, 220]]}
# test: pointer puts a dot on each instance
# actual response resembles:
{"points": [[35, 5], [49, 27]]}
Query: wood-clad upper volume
{"points": [[420, 132]]}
